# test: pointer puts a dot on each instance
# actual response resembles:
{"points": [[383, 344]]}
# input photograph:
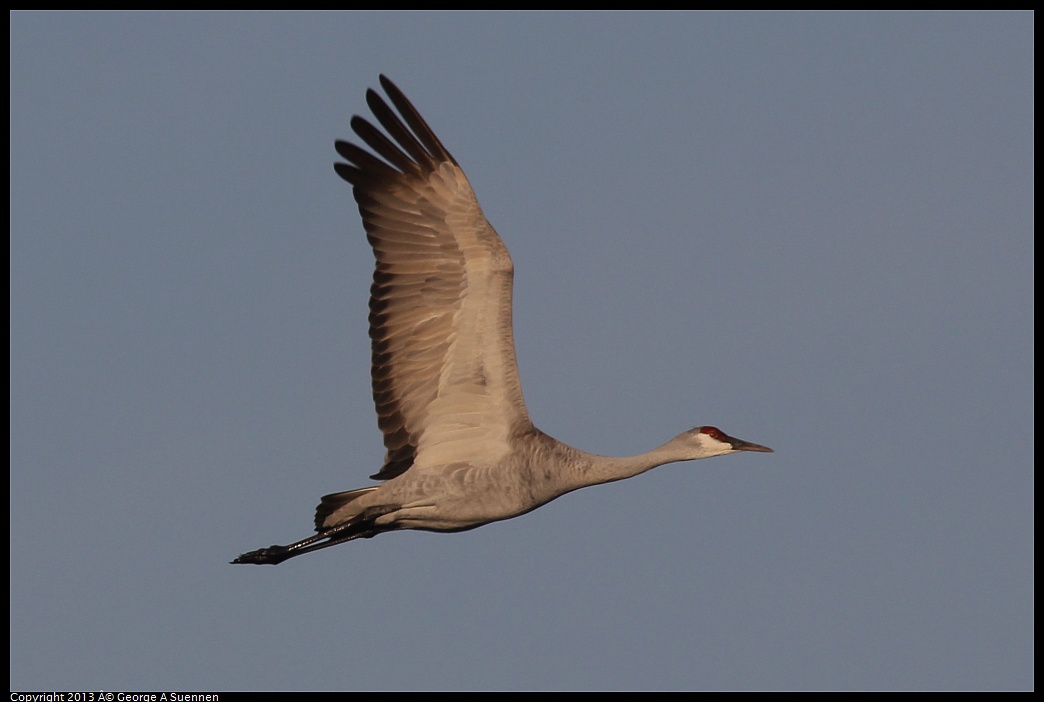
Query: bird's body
{"points": [[461, 450]]}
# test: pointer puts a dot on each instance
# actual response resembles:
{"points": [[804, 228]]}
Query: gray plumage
{"points": [[461, 450]]}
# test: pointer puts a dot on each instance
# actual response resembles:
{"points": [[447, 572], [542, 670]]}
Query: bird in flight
{"points": [[461, 449]]}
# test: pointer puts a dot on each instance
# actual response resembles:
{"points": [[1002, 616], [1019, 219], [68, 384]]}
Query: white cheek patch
{"points": [[714, 445]]}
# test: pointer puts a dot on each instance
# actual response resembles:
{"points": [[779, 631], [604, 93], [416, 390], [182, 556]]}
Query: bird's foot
{"points": [[265, 556]]}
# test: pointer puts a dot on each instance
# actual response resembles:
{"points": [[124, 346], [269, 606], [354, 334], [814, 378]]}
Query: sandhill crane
{"points": [[461, 451]]}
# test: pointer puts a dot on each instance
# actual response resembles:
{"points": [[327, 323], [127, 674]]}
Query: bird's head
{"points": [[704, 442]]}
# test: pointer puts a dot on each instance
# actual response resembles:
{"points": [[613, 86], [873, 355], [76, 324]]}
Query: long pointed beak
{"points": [[741, 445]]}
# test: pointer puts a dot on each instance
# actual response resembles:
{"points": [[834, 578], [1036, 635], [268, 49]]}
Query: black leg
{"points": [[274, 555]]}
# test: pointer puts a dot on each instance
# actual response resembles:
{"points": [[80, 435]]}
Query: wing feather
{"points": [[445, 381]]}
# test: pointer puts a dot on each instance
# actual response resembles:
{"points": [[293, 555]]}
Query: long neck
{"points": [[554, 468], [580, 469], [605, 469]]}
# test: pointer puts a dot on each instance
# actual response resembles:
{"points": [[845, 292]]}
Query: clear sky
{"points": [[811, 230]]}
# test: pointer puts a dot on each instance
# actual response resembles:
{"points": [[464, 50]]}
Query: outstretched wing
{"points": [[445, 380]]}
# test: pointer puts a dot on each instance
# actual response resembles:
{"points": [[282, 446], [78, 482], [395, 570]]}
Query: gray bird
{"points": [[461, 450]]}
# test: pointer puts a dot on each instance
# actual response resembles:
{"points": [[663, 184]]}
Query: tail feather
{"points": [[335, 502]]}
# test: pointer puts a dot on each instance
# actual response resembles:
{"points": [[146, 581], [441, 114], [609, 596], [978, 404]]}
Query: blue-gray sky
{"points": [[811, 230]]}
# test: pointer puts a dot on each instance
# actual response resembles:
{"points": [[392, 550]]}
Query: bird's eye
{"points": [[712, 432]]}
